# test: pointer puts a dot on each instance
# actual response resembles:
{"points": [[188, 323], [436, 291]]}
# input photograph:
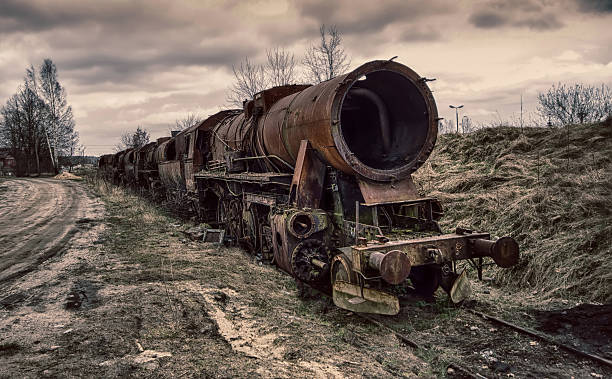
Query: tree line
{"points": [[37, 124], [565, 104]]}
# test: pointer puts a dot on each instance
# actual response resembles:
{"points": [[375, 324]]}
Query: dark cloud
{"points": [[595, 6], [362, 17], [530, 14], [116, 67], [488, 19], [540, 22], [40, 15], [417, 34]]}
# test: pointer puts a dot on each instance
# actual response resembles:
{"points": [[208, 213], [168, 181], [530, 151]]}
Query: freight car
{"points": [[317, 179]]}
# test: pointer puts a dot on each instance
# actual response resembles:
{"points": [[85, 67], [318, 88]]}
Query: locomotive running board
{"points": [[364, 300]]}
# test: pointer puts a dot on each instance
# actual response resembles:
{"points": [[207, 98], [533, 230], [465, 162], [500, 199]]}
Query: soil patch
{"points": [[587, 325]]}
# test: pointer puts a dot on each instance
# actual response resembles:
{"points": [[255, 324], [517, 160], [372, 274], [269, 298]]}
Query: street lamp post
{"points": [[456, 114]]}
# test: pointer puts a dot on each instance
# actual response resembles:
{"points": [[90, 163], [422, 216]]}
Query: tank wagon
{"points": [[317, 179]]}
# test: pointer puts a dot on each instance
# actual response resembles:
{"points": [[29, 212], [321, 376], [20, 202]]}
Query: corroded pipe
{"points": [[504, 251]]}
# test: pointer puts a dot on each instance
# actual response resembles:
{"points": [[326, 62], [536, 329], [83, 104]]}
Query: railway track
{"points": [[463, 371]]}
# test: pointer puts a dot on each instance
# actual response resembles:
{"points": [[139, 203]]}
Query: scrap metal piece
{"points": [[308, 178], [374, 301], [461, 289], [213, 235]]}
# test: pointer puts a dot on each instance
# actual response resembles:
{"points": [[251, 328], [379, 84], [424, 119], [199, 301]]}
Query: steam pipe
{"points": [[383, 115]]}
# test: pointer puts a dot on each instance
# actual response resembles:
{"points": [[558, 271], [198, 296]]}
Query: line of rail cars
{"points": [[317, 179]]}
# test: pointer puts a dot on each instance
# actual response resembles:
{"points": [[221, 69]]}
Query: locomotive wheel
{"points": [[233, 222], [425, 279], [265, 241], [342, 269], [251, 238], [303, 256]]}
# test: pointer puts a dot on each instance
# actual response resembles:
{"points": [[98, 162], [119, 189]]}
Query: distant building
{"points": [[18, 163], [8, 163]]}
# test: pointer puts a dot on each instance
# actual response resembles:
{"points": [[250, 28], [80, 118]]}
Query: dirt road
{"points": [[38, 218]]}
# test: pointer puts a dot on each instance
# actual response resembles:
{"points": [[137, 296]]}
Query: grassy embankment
{"points": [[550, 189]]}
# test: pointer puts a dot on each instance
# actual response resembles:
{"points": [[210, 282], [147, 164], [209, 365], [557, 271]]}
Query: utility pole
{"points": [[456, 114]]}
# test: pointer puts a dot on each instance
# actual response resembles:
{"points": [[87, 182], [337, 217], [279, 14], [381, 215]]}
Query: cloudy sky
{"points": [[146, 62]]}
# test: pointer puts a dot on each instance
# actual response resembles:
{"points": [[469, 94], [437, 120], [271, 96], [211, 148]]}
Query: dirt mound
{"points": [[67, 176], [550, 189]]}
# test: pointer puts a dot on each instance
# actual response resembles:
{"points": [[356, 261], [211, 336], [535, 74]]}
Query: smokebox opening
{"points": [[384, 120]]}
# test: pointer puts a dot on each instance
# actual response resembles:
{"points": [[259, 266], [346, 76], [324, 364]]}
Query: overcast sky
{"points": [[130, 63]]}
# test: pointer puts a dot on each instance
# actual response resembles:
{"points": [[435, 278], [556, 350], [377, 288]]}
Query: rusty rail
{"points": [[399, 335], [543, 337]]}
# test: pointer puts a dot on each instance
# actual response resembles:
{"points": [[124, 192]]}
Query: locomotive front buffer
{"points": [[369, 276]]}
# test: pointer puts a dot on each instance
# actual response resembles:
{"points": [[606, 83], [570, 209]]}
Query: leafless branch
{"points": [[280, 67], [327, 59], [249, 80]]}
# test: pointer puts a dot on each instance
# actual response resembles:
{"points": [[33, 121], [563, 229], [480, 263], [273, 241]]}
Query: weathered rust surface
{"points": [[316, 115], [394, 266], [404, 124], [308, 178], [376, 192], [504, 251], [424, 250], [364, 300]]}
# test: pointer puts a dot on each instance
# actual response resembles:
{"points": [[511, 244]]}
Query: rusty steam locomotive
{"points": [[317, 179]]}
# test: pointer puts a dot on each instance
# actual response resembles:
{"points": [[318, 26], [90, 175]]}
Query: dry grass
{"points": [[554, 197]]}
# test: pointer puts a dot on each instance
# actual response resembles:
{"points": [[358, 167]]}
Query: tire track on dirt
{"points": [[41, 221]]}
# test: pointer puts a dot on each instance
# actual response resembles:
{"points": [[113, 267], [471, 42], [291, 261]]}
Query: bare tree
{"points": [[249, 80], [72, 150], [563, 104], [129, 140], [280, 67], [59, 128], [466, 125], [188, 121], [32, 119], [327, 59]]}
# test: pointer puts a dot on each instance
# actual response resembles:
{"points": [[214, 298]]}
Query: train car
{"points": [[145, 168], [318, 180], [105, 166], [128, 167], [117, 171]]}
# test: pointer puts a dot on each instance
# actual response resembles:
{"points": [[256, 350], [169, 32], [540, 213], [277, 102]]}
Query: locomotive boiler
{"points": [[317, 179]]}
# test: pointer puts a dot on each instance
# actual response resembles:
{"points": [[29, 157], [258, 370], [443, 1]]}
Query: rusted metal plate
{"points": [[189, 180], [364, 300], [395, 192], [251, 177], [260, 199], [308, 178], [213, 235], [280, 243], [170, 174]]}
